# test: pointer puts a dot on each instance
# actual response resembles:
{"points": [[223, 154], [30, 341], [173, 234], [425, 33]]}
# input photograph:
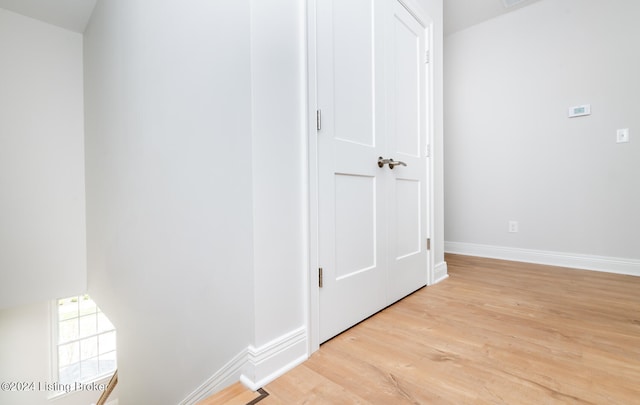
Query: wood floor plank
{"points": [[237, 394], [304, 385], [495, 332]]}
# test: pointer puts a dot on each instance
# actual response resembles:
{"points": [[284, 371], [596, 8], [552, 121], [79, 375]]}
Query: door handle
{"points": [[392, 163]]}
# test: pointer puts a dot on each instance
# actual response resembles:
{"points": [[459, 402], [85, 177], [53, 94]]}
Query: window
{"points": [[86, 341]]}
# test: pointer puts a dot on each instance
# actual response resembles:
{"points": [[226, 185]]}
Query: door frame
{"points": [[313, 291]]}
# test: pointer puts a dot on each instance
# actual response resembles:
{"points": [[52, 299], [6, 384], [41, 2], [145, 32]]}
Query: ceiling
{"points": [[70, 14], [74, 14], [461, 14]]}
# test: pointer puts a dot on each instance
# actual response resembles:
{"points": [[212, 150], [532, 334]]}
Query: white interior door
{"points": [[372, 220]]}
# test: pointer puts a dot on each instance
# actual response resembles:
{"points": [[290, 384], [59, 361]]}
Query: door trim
{"points": [[313, 305], [313, 293]]}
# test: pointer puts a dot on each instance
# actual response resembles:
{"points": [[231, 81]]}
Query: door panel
{"points": [[355, 228], [406, 69], [353, 69], [408, 212]]}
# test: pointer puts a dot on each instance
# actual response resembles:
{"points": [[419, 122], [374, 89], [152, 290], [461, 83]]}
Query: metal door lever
{"points": [[390, 162]]}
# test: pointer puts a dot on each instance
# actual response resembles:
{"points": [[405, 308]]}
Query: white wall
{"points": [[42, 205], [279, 174], [512, 153], [42, 237], [280, 196], [169, 188], [25, 351]]}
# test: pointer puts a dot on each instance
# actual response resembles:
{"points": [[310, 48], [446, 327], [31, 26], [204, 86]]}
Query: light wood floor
{"points": [[237, 394], [495, 332]]}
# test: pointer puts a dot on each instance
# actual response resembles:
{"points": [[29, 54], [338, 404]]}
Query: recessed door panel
{"points": [[355, 224], [353, 55], [407, 218], [406, 68]]}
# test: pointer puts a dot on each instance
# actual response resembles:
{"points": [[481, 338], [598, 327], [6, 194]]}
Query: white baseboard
{"points": [[572, 260], [256, 367], [440, 272], [227, 375], [270, 361]]}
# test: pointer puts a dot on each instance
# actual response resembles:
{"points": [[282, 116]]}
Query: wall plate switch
{"points": [[622, 135]]}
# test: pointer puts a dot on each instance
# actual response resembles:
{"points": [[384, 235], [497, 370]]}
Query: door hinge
{"points": [[427, 57], [320, 278], [429, 150], [318, 120], [428, 243]]}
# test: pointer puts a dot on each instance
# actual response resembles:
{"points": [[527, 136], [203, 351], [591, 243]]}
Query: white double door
{"points": [[372, 92]]}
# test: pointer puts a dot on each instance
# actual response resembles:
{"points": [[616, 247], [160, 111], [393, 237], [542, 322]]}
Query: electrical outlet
{"points": [[622, 135], [513, 226]]}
